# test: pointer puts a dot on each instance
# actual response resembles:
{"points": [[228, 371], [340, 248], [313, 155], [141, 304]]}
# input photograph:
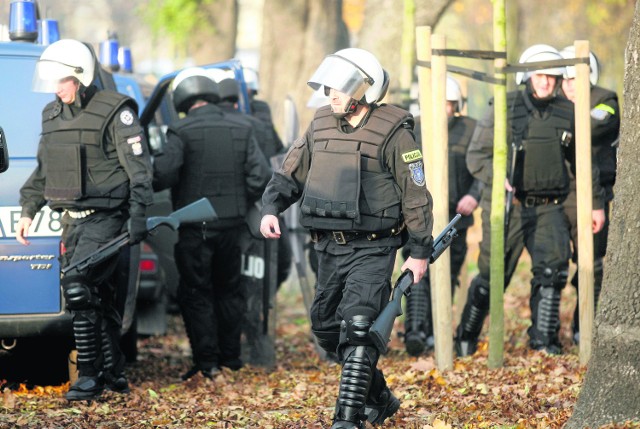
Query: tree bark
{"points": [[296, 37], [611, 392]]}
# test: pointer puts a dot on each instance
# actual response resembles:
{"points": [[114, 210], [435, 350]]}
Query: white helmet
{"points": [[62, 59], [570, 71], [352, 71], [251, 78], [537, 53], [454, 92], [218, 74]]}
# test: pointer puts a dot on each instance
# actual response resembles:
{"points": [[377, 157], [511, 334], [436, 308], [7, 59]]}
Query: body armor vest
{"points": [[541, 139], [81, 170], [605, 155], [460, 180], [215, 153], [348, 187]]}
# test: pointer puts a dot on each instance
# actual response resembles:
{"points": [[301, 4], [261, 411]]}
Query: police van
{"points": [[35, 330]]}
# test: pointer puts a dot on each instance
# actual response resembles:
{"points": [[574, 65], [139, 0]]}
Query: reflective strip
{"points": [[606, 108]]}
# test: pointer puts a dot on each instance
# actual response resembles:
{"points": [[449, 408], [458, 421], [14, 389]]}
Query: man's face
{"points": [[569, 88], [67, 89], [451, 108], [339, 101], [543, 85]]}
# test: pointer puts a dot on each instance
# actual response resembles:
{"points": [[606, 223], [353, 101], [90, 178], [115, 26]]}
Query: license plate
{"points": [[46, 222]]}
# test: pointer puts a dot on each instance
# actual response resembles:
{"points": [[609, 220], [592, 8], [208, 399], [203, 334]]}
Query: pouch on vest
{"points": [[64, 183], [543, 168], [333, 185]]}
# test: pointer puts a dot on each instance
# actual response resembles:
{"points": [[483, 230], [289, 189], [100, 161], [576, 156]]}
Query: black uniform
{"points": [[605, 131], [418, 321], [542, 132], [4, 152], [94, 166], [358, 189], [214, 155]]}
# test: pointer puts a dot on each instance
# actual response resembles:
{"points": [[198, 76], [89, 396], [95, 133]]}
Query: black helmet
{"points": [[229, 90], [193, 84]]}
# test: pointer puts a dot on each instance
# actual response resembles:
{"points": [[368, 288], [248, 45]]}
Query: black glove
{"points": [[137, 227]]}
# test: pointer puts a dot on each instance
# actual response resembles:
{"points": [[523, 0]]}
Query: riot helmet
{"points": [[60, 60], [229, 90], [454, 93], [569, 52], [354, 72], [193, 84], [538, 53]]}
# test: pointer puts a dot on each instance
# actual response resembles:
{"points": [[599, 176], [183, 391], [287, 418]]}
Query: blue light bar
{"points": [[22, 21], [109, 54], [125, 60], [49, 31]]}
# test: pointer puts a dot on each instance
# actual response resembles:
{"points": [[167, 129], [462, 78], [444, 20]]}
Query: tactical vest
{"points": [[81, 169], [542, 139], [460, 180], [348, 187], [214, 158], [605, 155]]}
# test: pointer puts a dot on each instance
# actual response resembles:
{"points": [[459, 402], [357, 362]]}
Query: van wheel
{"points": [[38, 361]]}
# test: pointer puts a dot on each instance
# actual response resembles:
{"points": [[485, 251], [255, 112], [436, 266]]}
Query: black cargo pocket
{"points": [[65, 165]]}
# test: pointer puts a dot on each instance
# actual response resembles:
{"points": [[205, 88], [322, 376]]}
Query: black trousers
{"points": [[348, 282], [210, 294], [81, 237]]}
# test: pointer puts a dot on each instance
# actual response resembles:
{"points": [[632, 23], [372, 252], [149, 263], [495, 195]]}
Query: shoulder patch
{"points": [[417, 173], [126, 117], [412, 156]]}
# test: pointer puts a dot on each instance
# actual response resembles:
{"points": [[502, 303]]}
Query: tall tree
{"points": [[610, 392], [296, 36]]}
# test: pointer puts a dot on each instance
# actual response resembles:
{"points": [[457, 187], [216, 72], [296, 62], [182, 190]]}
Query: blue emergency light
{"points": [[48, 31], [109, 53], [23, 23], [125, 60]]}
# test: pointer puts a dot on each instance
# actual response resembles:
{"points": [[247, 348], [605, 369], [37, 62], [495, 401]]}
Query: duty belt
{"points": [[80, 214], [344, 237], [532, 201]]}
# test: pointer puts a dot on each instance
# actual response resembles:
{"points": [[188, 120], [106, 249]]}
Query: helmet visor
{"points": [[48, 75], [342, 75]]}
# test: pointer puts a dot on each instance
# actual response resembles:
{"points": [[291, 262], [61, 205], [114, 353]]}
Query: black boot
{"points": [[418, 326], [86, 388], [113, 368], [545, 318], [381, 403]]}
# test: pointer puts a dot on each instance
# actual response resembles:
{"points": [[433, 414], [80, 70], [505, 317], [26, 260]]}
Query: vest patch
{"points": [[417, 173], [126, 117], [412, 156]]}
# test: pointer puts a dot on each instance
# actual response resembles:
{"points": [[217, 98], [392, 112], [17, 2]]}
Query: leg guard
{"points": [[545, 310], [359, 358], [598, 275], [418, 326], [473, 315]]}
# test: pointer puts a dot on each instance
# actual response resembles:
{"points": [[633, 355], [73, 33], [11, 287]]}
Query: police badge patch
{"points": [[417, 173], [126, 117]]}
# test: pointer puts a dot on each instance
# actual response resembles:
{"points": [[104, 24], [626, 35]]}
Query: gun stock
{"points": [[198, 211], [380, 331]]}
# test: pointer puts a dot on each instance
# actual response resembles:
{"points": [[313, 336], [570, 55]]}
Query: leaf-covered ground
{"points": [[532, 390]]}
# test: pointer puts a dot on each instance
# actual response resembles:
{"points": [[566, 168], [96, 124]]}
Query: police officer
{"points": [[464, 194], [214, 155], [359, 174], [94, 167], [541, 129], [605, 131]]}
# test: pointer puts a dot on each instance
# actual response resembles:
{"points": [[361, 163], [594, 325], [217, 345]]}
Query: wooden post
{"points": [[439, 187], [423, 53], [496, 327], [584, 195]]}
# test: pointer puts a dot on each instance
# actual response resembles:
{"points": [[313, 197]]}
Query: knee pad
{"points": [[77, 294], [354, 329], [479, 292], [550, 277]]}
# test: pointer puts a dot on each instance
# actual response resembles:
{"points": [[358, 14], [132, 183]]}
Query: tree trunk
{"points": [[611, 391], [296, 37]]}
